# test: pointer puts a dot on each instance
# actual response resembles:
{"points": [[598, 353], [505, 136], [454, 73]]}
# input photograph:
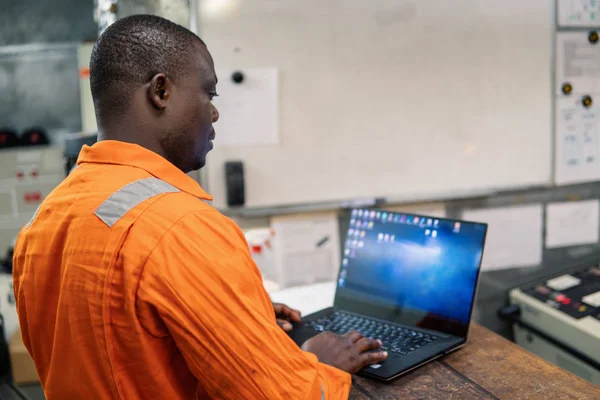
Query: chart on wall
{"points": [[578, 13], [577, 100]]}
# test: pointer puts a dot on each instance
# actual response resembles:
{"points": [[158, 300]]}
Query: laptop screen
{"points": [[414, 270]]}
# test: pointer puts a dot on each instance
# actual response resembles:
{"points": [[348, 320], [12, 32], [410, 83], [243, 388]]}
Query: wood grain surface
{"points": [[488, 367]]}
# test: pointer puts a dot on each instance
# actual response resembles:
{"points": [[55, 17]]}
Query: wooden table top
{"points": [[487, 367]]}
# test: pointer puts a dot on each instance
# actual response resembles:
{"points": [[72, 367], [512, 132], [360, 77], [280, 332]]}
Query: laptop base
{"points": [[395, 365]]}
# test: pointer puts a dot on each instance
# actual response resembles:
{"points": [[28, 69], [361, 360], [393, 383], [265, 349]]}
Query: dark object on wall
{"points": [[34, 137], [8, 138], [587, 101], [237, 77], [234, 180]]}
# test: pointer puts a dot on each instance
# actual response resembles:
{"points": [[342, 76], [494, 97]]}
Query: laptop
{"points": [[408, 280]]}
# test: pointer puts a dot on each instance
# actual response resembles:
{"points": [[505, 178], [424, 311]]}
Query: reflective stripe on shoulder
{"points": [[32, 218], [322, 393], [129, 196]]}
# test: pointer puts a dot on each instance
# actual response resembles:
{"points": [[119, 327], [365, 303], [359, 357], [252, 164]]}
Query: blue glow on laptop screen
{"points": [[426, 264]]}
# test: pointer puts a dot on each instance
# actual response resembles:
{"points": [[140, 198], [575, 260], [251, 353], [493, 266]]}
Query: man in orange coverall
{"points": [[130, 286]]}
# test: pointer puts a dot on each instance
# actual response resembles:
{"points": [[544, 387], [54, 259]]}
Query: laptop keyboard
{"points": [[395, 339]]}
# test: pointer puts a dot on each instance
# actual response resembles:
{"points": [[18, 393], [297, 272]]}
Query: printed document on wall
{"points": [[514, 236], [306, 248], [577, 63], [577, 157], [572, 223], [578, 13], [249, 110]]}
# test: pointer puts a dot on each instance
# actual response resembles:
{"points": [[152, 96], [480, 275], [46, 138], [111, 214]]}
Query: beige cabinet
{"points": [[27, 176]]}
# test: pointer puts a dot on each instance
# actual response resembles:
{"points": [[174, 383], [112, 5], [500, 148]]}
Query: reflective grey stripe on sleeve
{"points": [[322, 393], [129, 196], [32, 218]]}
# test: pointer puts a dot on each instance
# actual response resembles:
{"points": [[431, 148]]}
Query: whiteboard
{"points": [[388, 98]]}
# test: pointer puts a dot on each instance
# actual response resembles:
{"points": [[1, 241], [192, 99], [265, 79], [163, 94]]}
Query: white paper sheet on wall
{"points": [[306, 248], [572, 223], [578, 13], [577, 63], [249, 110], [577, 129], [514, 236], [577, 101]]}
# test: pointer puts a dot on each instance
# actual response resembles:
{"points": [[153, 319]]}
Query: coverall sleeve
{"points": [[208, 292]]}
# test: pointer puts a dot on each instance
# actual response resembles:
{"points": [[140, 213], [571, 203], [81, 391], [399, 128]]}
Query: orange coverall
{"points": [[130, 286]]}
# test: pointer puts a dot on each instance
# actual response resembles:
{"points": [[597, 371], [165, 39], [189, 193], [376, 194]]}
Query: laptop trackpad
{"points": [[389, 367]]}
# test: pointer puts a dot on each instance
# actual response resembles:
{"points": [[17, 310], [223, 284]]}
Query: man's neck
{"points": [[131, 136]]}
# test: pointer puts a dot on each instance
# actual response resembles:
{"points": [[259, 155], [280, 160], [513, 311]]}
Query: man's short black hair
{"points": [[130, 52]]}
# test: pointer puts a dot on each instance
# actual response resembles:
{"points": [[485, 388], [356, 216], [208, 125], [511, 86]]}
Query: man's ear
{"points": [[159, 91]]}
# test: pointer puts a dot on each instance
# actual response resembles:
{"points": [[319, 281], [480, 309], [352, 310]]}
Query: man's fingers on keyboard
{"points": [[373, 357], [354, 336], [366, 344]]}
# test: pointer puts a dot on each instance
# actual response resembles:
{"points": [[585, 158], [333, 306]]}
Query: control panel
{"points": [[577, 294], [560, 320]]}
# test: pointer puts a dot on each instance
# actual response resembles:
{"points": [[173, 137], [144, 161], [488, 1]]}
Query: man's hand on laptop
{"points": [[350, 352], [285, 316]]}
